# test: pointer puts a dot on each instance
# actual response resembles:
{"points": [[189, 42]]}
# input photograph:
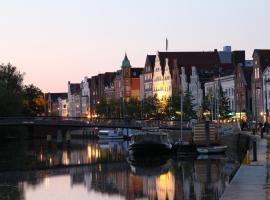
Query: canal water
{"points": [[100, 170]]}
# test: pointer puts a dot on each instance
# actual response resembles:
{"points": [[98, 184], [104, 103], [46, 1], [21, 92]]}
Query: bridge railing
{"points": [[91, 122]]}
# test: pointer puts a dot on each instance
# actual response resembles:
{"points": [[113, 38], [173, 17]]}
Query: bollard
{"points": [[254, 151], [253, 131]]}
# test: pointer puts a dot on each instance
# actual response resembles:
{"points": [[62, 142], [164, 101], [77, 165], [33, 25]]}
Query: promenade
{"points": [[252, 180]]}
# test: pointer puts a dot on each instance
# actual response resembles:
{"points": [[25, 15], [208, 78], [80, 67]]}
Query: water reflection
{"points": [[101, 170]]}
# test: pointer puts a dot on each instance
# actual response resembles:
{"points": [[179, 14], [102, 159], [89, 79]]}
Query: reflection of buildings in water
{"points": [[209, 179], [165, 186], [149, 187], [86, 154]]}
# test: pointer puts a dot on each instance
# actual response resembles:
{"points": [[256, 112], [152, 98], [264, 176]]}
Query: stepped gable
{"points": [[207, 63]]}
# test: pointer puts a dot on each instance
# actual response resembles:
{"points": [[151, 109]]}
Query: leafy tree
{"points": [[172, 108], [188, 111], [151, 107], [114, 109], [224, 107], [133, 108], [33, 100], [206, 105], [10, 90], [102, 108]]}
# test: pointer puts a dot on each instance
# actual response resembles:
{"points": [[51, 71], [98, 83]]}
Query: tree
{"points": [[224, 107], [133, 108], [33, 100], [151, 107], [188, 112], [11, 88], [206, 105], [172, 108], [102, 108]]}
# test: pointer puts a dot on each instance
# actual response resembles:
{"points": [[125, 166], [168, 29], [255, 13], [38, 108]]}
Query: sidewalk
{"points": [[251, 181]]}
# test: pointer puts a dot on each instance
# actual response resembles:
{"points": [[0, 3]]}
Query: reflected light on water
{"points": [[47, 181], [65, 158], [165, 186], [50, 161], [93, 153], [41, 157]]}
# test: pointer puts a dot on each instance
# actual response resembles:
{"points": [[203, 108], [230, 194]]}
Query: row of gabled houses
{"points": [[165, 74]]}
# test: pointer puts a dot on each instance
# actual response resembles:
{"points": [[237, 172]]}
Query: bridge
{"points": [[95, 122]]}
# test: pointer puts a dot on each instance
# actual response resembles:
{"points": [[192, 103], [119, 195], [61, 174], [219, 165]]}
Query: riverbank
{"points": [[252, 180]]}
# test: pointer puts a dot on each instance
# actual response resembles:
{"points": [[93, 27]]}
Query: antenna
{"points": [[167, 43]]}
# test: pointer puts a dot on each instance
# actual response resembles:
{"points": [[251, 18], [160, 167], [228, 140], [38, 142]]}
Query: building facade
{"points": [[261, 58], [227, 84], [243, 94], [74, 100], [54, 103], [162, 85], [85, 97], [266, 90], [148, 76]]}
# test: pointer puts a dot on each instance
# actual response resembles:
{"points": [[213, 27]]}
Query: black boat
{"points": [[149, 143]]}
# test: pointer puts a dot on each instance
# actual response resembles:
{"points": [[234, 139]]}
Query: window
{"points": [[257, 73]]}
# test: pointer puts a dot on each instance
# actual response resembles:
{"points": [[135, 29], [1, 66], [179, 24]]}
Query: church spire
{"points": [[126, 62]]}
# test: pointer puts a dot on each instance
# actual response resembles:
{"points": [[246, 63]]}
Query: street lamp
{"points": [[256, 107]]}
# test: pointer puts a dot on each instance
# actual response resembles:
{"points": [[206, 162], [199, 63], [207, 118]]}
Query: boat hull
{"points": [[149, 149], [111, 137]]}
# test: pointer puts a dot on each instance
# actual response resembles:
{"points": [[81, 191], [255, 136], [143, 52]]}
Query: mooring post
{"points": [[254, 150]]}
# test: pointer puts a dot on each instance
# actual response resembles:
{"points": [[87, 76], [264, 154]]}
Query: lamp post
{"points": [[241, 97], [256, 107]]}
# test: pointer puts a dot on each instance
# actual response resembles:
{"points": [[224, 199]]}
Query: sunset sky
{"points": [[56, 41]]}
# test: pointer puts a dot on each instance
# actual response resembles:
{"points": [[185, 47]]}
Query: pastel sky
{"points": [[56, 41]]}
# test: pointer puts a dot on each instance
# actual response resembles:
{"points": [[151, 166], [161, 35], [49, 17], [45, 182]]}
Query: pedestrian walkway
{"points": [[252, 180]]}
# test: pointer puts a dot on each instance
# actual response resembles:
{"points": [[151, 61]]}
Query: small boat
{"points": [[110, 134], [211, 149], [149, 143]]}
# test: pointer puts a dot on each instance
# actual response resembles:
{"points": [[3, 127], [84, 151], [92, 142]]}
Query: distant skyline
{"points": [[54, 42]]}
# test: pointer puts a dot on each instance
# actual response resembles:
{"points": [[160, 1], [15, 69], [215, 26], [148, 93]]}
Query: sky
{"points": [[56, 41]]}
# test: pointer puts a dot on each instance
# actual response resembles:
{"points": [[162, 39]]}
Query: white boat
{"points": [[212, 149], [110, 134]]}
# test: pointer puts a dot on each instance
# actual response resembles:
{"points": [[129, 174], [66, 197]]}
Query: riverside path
{"points": [[252, 180]]}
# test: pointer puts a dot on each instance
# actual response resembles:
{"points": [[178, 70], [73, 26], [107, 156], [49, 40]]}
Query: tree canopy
{"points": [[15, 98]]}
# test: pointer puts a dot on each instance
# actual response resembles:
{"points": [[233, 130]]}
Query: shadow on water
{"points": [[95, 169]]}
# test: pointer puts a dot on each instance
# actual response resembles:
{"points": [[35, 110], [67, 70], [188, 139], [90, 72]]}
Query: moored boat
{"points": [[110, 134], [149, 143], [212, 149]]}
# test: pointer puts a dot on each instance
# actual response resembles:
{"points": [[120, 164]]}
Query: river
{"points": [[100, 170]]}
